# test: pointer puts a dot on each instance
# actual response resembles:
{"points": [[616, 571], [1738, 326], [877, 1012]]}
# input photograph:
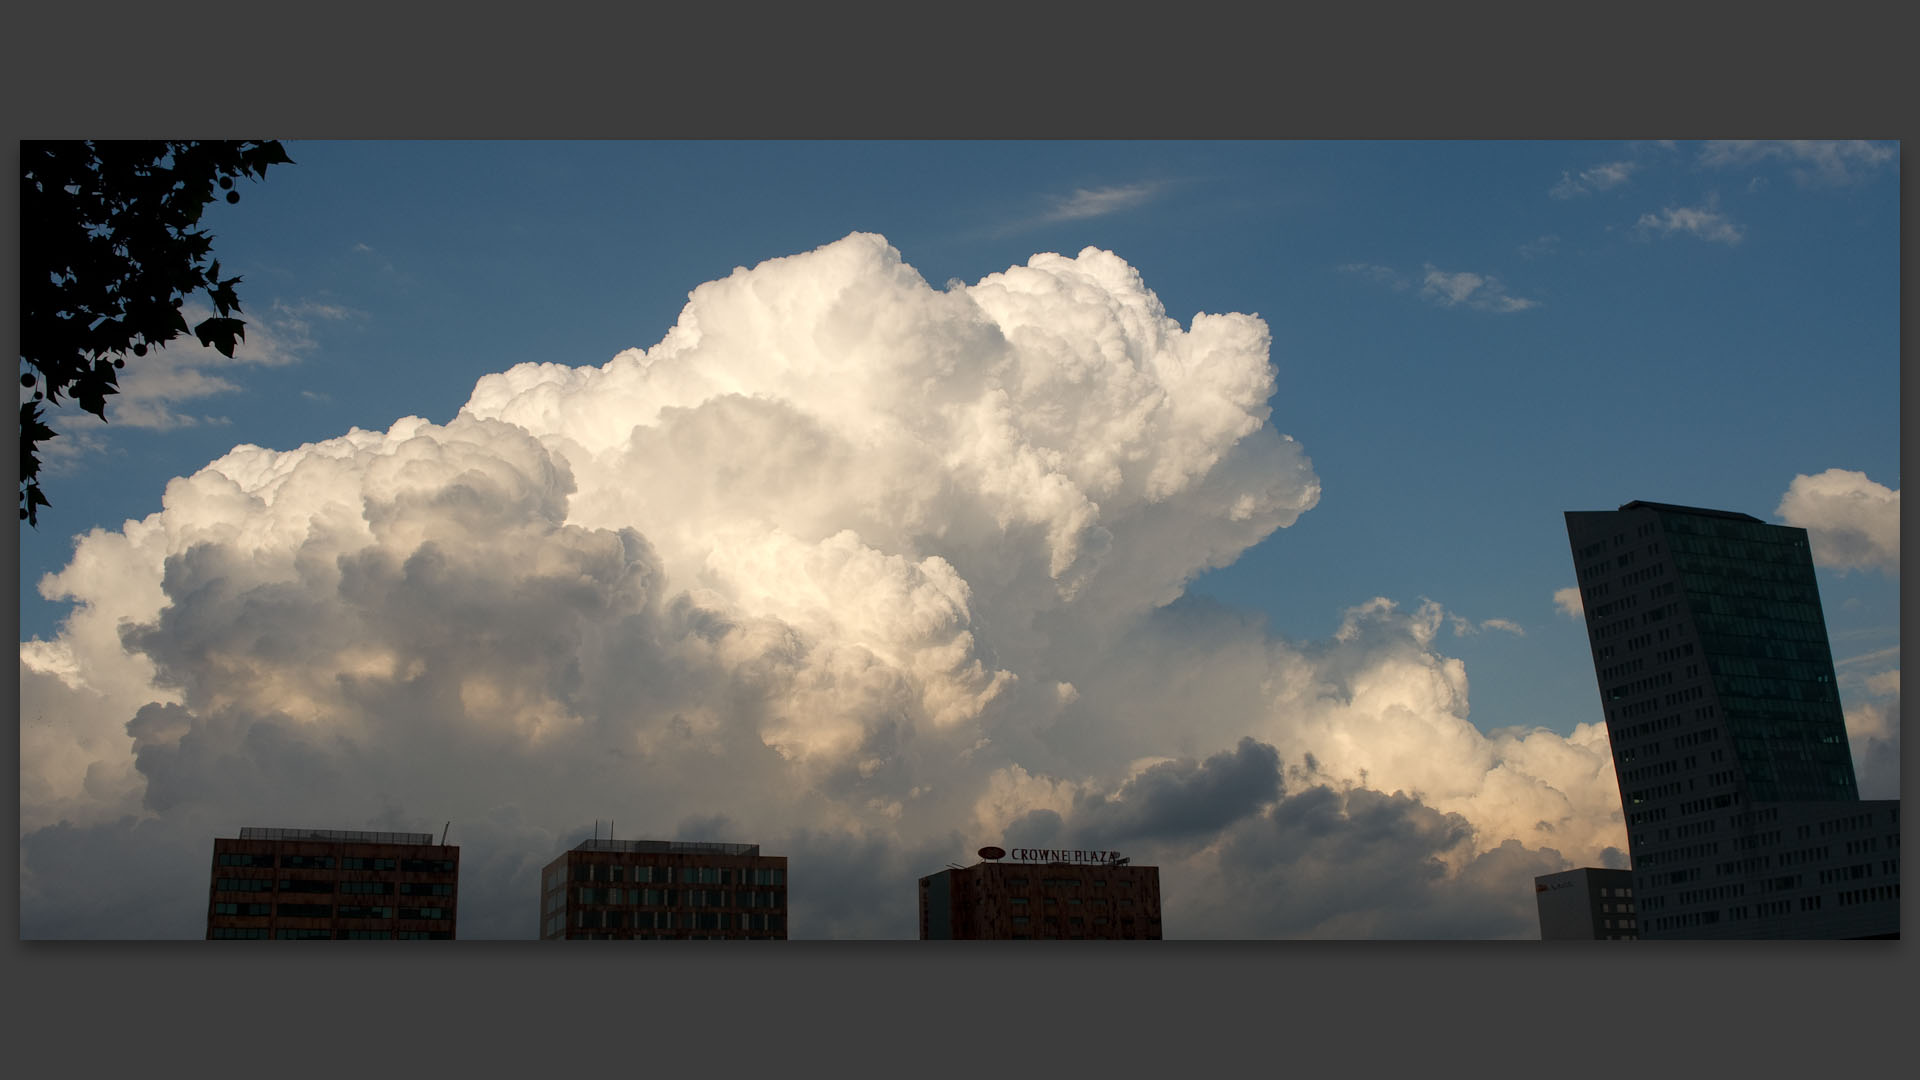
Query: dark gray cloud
{"points": [[1181, 800], [1356, 863]]}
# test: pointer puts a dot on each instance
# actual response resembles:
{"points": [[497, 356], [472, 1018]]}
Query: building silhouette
{"points": [[1736, 780], [1066, 895], [642, 890], [321, 884], [1589, 904]]}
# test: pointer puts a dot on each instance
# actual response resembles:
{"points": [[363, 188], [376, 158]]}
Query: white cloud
{"points": [[1099, 202], [1569, 602], [1706, 222], [1598, 178], [1852, 522], [1481, 292], [1814, 161], [846, 566]]}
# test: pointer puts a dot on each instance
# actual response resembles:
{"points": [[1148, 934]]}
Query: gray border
{"points": [[1163, 72]]}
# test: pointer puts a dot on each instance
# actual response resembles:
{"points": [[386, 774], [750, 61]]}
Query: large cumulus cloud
{"points": [[865, 571]]}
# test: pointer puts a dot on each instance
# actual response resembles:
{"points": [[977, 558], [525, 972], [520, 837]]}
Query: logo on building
{"points": [[1067, 855]]}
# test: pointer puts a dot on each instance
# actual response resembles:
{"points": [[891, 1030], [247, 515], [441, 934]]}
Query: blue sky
{"points": [[1468, 338], [1654, 364]]}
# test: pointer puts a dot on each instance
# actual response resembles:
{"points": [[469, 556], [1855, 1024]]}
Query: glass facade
{"points": [[1756, 608]]}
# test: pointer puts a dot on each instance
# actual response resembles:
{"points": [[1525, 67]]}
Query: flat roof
{"points": [[337, 835], [1697, 511], [681, 847]]}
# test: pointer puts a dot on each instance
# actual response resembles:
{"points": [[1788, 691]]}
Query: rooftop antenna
{"points": [[609, 830], [443, 834], [596, 830]]}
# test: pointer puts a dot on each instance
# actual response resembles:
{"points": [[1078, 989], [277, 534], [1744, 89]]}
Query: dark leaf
{"points": [[222, 334]]}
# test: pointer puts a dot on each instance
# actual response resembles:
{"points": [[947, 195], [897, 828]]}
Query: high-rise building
{"points": [[643, 890], [1736, 780], [1589, 904], [1043, 894], [318, 884]]}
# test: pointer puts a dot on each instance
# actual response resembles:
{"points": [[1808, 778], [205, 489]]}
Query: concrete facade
{"points": [[1589, 904]]}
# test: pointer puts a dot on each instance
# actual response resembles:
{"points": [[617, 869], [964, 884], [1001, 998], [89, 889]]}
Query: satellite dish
{"points": [[991, 852]]}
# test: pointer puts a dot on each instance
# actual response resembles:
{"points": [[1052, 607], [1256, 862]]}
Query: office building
{"points": [[326, 884], [1043, 894], [1589, 904], [658, 890], [1736, 780]]}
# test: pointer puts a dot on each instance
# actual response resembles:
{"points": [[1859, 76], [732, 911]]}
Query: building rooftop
{"points": [[349, 835], [677, 847], [1697, 511]]}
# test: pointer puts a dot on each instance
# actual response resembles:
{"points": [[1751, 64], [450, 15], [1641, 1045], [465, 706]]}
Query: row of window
{"points": [[1846, 873], [764, 922], [684, 875], [748, 898], [1870, 895]]}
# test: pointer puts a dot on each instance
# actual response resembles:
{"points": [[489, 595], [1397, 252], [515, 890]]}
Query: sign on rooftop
{"points": [[1066, 855]]}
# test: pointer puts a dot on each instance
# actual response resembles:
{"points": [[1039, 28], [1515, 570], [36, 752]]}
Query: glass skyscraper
{"points": [[1736, 780]]}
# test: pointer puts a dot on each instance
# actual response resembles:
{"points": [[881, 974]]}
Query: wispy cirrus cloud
{"points": [[163, 390], [1463, 626], [1482, 292], [1599, 178], [1099, 202], [154, 389], [1815, 162], [1705, 222]]}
